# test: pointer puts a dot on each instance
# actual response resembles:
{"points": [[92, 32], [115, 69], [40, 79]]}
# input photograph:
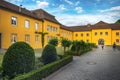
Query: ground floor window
{"points": [[27, 38], [36, 38], [14, 38], [117, 40]]}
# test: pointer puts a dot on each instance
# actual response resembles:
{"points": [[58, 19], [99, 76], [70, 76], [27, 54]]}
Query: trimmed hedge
{"points": [[18, 59], [73, 53], [49, 54], [46, 70]]}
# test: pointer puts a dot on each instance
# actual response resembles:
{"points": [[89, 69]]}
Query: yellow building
{"points": [[99, 33], [20, 24]]}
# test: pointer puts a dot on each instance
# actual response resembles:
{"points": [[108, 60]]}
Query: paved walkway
{"points": [[95, 65]]}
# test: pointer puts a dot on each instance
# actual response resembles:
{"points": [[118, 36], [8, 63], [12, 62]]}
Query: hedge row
{"points": [[46, 70], [73, 53]]}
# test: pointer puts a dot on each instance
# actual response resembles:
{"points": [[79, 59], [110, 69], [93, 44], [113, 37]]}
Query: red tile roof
{"points": [[11, 7], [44, 15]]}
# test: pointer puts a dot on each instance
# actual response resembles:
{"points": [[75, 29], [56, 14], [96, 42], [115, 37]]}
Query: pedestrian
{"points": [[102, 45], [114, 46]]}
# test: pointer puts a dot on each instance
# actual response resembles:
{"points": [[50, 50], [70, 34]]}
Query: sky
{"points": [[76, 12]]}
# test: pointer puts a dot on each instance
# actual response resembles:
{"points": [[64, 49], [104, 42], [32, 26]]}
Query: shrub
{"points": [[46, 70], [49, 54], [54, 41], [18, 59]]}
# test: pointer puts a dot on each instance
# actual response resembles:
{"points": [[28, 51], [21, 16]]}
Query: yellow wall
{"points": [[114, 36], [66, 34], [7, 29], [106, 38], [52, 33], [84, 37]]}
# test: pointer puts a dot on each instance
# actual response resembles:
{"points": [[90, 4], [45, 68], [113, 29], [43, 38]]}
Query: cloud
{"points": [[14, 1], [79, 9], [116, 8], [78, 2], [74, 20], [62, 7], [42, 5], [98, 0], [69, 2]]}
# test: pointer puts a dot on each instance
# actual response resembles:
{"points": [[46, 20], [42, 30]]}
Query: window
{"points": [[101, 33], [117, 33], [27, 23], [87, 34], [14, 21], [49, 28], [106, 33], [76, 35], [27, 38], [87, 41], [117, 40], [36, 38], [95, 33], [13, 38], [81, 35], [36, 26]]}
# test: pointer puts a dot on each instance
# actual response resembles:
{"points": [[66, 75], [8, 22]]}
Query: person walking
{"points": [[102, 45], [114, 46]]}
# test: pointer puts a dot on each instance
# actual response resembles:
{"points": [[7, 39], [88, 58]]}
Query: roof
{"points": [[99, 25], [17, 9], [65, 27], [44, 15]]}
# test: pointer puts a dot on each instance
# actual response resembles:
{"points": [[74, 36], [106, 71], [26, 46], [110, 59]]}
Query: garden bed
{"points": [[46, 70]]}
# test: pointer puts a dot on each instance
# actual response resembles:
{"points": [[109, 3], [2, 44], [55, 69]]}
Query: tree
{"points": [[118, 21], [53, 41], [65, 43], [42, 37]]}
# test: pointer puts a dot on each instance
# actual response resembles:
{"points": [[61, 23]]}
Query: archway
{"points": [[100, 41]]}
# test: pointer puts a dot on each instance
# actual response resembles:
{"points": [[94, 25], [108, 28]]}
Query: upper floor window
{"points": [[14, 21], [27, 38], [101, 33], [76, 35], [36, 26], [117, 33], [95, 33], [13, 38], [87, 34], [27, 23], [106, 33], [49, 28], [81, 35]]}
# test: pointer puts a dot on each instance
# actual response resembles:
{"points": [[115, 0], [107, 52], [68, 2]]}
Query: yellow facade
{"points": [[83, 35], [7, 29], [16, 27], [66, 34]]}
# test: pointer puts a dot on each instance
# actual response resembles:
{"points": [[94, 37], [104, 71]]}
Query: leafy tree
{"points": [[54, 41], [65, 43], [18, 59], [118, 21], [42, 37]]}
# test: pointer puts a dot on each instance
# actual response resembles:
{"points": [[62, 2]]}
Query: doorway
{"points": [[0, 40], [100, 41]]}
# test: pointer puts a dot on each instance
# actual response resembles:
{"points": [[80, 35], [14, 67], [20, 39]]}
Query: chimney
{"points": [[88, 25], [20, 8]]}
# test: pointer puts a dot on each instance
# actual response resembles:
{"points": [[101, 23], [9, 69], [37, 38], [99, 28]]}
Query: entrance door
{"points": [[100, 41], [0, 40]]}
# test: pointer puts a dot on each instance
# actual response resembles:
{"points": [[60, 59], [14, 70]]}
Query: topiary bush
{"points": [[18, 59], [49, 54], [54, 41]]}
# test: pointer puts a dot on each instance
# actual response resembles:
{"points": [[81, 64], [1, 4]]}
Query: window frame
{"points": [[14, 22]]}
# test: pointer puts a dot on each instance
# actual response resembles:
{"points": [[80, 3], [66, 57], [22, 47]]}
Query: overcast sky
{"points": [[76, 12]]}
